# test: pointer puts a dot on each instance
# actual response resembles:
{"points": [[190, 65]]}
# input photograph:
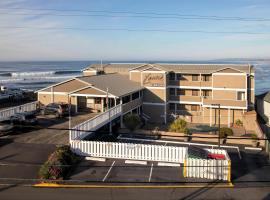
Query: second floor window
{"points": [[206, 93], [195, 92], [240, 96], [181, 92], [195, 77], [181, 107], [172, 76], [178, 77], [205, 77]]}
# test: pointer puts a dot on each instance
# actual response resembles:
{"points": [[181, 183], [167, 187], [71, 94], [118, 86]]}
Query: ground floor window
{"points": [[181, 107], [195, 107], [172, 106]]}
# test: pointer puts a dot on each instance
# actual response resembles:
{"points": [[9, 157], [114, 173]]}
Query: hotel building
{"points": [[161, 92]]}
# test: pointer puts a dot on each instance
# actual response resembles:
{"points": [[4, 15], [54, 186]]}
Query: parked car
{"points": [[25, 118], [6, 127], [58, 109]]}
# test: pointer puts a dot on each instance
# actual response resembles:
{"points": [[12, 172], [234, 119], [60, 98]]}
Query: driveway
{"points": [[42, 135], [22, 161]]}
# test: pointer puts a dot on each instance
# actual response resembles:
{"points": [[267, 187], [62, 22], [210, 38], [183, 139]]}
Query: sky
{"points": [[35, 30]]}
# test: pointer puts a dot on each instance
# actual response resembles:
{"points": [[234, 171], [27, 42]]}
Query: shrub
{"points": [[187, 132], [58, 164], [224, 132], [178, 125], [132, 122], [238, 122]]}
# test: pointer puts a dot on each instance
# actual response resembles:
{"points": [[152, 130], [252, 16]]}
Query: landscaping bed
{"points": [[59, 164]]}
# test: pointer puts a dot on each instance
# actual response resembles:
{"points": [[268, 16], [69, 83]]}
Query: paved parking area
{"points": [[118, 171], [41, 135]]}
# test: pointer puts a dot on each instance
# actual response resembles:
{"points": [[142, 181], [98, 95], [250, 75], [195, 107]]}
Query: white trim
{"points": [[57, 93], [232, 74], [230, 89], [190, 87], [154, 104], [79, 89], [231, 107], [90, 95], [134, 71], [157, 88], [87, 71], [186, 102], [158, 72], [229, 68]]}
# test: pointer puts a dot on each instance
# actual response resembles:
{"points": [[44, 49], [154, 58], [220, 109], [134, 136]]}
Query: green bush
{"points": [[238, 122], [224, 132], [178, 125], [132, 122], [58, 164]]}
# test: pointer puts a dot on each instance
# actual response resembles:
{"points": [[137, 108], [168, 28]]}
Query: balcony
{"points": [[229, 103], [185, 98], [191, 83]]}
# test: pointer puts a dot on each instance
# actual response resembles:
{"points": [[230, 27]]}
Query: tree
{"points": [[132, 122]]}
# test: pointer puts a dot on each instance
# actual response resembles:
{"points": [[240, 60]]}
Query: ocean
{"points": [[36, 75]]}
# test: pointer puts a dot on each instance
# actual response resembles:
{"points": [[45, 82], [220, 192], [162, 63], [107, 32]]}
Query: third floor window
{"points": [[180, 92], [195, 92], [195, 77]]}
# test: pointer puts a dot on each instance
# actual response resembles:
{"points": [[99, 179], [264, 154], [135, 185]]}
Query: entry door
{"points": [[82, 104]]}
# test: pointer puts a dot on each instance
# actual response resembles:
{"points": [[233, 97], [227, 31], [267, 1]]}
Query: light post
{"points": [[218, 105]]}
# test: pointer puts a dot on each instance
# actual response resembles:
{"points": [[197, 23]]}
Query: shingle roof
{"points": [[118, 85], [265, 96], [182, 68]]}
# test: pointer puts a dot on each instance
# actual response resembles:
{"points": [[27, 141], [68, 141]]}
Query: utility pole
{"points": [[218, 106]]}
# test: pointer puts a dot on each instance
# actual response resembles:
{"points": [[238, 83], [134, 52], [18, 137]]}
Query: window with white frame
{"points": [[240, 96]]}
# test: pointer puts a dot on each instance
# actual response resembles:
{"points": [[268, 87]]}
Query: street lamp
{"points": [[218, 105]]}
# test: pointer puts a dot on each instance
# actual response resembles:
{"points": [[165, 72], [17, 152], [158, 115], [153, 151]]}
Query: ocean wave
{"points": [[34, 79], [38, 74]]}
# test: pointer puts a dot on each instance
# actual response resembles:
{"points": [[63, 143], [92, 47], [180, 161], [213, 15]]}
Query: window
{"points": [[126, 99], [206, 93], [195, 77], [178, 76], [240, 96], [172, 91], [195, 107], [181, 92], [97, 100], [181, 107], [172, 76], [195, 92], [172, 106], [205, 77]]}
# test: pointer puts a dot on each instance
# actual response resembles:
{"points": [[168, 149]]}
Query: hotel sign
{"points": [[153, 80]]}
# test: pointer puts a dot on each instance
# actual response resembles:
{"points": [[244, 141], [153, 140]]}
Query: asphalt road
{"points": [[29, 193]]}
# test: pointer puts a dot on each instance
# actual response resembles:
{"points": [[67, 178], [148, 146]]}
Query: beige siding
{"points": [[88, 73], [224, 94], [154, 95], [46, 98], [135, 76], [229, 81]]}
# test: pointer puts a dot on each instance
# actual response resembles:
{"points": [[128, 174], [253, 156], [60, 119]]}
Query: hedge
{"points": [[224, 132], [58, 164]]}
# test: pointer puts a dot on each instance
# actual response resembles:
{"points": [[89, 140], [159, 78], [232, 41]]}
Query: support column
{"points": [[210, 116], [121, 117], [52, 95], [102, 104], [229, 117]]}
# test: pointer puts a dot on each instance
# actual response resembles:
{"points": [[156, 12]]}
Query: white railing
{"points": [[129, 151], [82, 130], [209, 168], [7, 113]]}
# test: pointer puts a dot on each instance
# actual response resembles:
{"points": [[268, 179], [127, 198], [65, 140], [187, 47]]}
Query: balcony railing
{"points": [[131, 105], [231, 103], [191, 83], [185, 98]]}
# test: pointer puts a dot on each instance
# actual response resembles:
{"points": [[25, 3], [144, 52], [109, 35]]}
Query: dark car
{"points": [[57, 109], [6, 127], [25, 118]]}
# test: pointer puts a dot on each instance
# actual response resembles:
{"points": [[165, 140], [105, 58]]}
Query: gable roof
{"points": [[180, 68], [118, 85], [265, 96]]}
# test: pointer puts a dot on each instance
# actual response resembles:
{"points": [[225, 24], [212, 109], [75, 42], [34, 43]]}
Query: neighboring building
{"points": [[191, 91], [263, 106]]}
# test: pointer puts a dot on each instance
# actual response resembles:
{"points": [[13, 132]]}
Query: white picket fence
{"points": [[82, 130], [7, 113], [129, 151], [209, 169]]}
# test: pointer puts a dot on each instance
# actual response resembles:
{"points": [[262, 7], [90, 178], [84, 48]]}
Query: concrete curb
{"points": [[55, 185]]}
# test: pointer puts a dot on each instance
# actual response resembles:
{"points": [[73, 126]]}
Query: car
{"points": [[58, 109], [25, 118], [6, 127]]}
